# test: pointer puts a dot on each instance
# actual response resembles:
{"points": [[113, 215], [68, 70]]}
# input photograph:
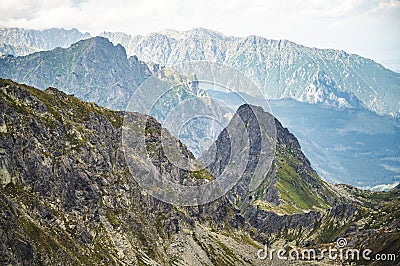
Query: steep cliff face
{"points": [[68, 197], [290, 185], [323, 90]]}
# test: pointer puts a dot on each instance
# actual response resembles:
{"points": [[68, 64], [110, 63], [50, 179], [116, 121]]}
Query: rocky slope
{"points": [[294, 204], [67, 196]]}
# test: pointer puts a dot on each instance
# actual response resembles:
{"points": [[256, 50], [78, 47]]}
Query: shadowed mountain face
{"points": [[68, 197], [94, 70]]}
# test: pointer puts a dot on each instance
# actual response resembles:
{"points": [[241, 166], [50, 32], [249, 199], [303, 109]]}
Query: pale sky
{"points": [[368, 28]]}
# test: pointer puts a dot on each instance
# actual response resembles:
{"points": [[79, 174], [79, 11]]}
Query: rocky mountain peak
{"points": [[93, 69], [101, 45]]}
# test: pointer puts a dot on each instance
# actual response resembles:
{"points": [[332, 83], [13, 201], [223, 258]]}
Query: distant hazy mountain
{"points": [[94, 70], [357, 146], [16, 41], [282, 69]]}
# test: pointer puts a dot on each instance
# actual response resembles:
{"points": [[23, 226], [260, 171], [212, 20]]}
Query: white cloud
{"points": [[369, 28], [391, 168]]}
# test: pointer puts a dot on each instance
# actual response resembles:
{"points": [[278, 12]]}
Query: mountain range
{"points": [[16, 41], [282, 69], [345, 142], [68, 197]]}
